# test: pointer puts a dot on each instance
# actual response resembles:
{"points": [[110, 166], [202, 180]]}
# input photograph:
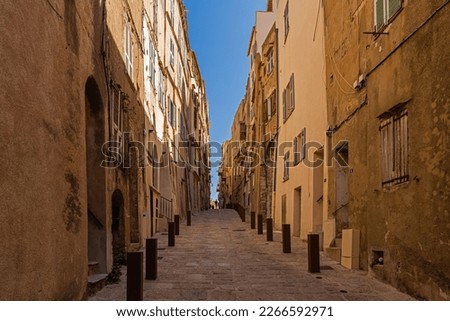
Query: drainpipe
{"points": [[278, 121]]}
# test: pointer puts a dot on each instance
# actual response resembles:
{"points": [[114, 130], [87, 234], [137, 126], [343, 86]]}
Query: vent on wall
{"points": [[377, 258]]}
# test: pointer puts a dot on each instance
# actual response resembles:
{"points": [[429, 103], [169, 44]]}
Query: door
{"points": [[297, 212]]}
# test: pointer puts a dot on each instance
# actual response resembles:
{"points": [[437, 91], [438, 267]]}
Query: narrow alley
{"points": [[221, 258]]}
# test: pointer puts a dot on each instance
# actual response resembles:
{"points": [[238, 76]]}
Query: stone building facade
{"points": [[388, 111], [103, 100], [361, 152]]}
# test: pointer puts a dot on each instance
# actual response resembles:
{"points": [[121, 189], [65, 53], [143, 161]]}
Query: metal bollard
{"points": [[171, 241], [260, 224], [269, 228], [253, 220], [177, 224], [135, 276], [313, 253], [286, 238], [188, 218], [151, 259]]}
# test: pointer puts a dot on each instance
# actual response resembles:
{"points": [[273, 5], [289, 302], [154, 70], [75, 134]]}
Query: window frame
{"points": [[286, 21], [388, 13], [128, 47], [300, 147], [289, 99], [286, 166], [270, 65], [171, 53], [394, 147]]}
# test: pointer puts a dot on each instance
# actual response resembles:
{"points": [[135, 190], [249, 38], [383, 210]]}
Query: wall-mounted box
{"points": [[350, 249]]}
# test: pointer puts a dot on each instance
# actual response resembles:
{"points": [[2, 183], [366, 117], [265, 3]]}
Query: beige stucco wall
{"points": [[302, 54], [46, 57]]}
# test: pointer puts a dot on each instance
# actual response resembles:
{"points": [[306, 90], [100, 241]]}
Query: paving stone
{"points": [[220, 258]]}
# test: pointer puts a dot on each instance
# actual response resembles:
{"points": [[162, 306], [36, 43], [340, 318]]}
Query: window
{"points": [[291, 104], [286, 166], [172, 116], [300, 147], [183, 127], [155, 162], [161, 90], [179, 75], [289, 99], [117, 115], [243, 131], [270, 107], [155, 16], [180, 34], [172, 12], [394, 146], [172, 52], [152, 57], [286, 20], [269, 61], [128, 48], [385, 10], [116, 122]]}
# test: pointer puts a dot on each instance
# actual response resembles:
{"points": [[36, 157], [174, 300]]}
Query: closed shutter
{"points": [[265, 108], [292, 96], [379, 14], [394, 6], [274, 103], [303, 145], [296, 151]]}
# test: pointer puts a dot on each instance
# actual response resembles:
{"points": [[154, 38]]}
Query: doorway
{"points": [[95, 174], [118, 228], [297, 211], [152, 213], [342, 173]]}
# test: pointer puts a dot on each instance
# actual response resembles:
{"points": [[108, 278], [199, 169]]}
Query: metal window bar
{"points": [[394, 143]]}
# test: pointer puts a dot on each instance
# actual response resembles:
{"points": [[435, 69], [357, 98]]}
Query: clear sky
{"points": [[219, 33]]}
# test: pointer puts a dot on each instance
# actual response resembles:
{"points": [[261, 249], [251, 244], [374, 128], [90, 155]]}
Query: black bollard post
{"points": [[253, 220], [269, 227], [151, 259], [188, 218], [260, 224], [177, 224], [171, 241], [135, 276], [286, 238], [313, 253]]}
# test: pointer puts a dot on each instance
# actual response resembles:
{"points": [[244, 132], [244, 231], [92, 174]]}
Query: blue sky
{"points": [[219, 33]]}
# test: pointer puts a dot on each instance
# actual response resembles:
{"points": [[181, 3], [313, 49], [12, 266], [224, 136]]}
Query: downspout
{"points": [[278, 123]]}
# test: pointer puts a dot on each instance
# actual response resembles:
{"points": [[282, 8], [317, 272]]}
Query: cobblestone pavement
{"points": [[220, 258]]}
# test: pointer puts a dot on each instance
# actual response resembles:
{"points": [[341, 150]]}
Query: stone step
{"points": [[96, 282], [92, 267], [334, 253]]}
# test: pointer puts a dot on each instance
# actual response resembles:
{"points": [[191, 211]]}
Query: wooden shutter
{"points": [[394, 6], [303, 145], [379, 14], [296, 151], [265, 108], [274, 103], [284, 105], [292, 94]]}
